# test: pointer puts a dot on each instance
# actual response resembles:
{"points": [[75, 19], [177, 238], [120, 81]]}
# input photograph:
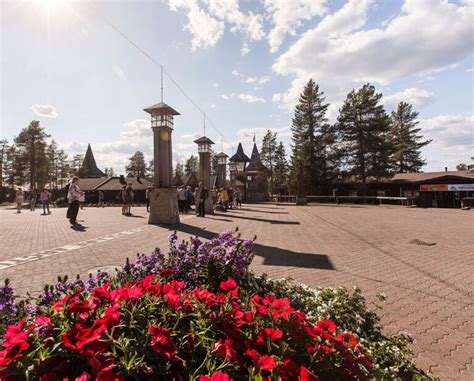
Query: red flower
{"points": [[306, 375], [43, 321], [11, 353], [327, 325], [216, 377], [288, 371], [226, 349], [272, 334], [79, 307], [16, 342], [83, 377], [167, 272], [57, 306], [261, 362], [161, 341], [229, 284], [107, 374], [347, 339]]}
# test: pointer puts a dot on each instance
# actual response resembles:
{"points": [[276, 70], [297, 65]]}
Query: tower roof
{"points": [[240, 155], [89, 167], [222, 154], [254, 159], [203, 139], [161, 109]]}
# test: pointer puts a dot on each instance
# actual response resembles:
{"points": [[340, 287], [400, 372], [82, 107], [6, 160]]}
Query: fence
{"points": [[406, 201]]}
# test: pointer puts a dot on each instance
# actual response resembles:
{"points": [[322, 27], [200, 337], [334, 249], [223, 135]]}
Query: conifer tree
{"points": [[3, 158], [406, 141], [281, 167], [179, 169], [267, 155], [363, 129], [137, 166], [109, 172], [31, 146], [308, 137], [191, 165]]}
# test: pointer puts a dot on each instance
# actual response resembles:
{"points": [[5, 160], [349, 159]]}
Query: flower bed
{"points": [[197, 313]]}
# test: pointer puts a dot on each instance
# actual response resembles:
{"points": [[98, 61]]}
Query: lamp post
{"points": [[221, 169], [163, 200], [204, 150]]}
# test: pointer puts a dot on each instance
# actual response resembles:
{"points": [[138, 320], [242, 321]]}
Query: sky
{"points": [[243, 63]]}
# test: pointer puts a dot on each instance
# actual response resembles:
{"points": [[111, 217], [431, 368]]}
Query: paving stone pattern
{"points": [[422, 259]]}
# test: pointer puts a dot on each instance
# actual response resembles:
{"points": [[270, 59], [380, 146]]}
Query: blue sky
{"points": [[244, 63]]}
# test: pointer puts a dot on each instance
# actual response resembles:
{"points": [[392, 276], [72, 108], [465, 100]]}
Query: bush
{"points": [[197, 313]]}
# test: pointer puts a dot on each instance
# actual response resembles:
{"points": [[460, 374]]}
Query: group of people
{"points": [[228, 199], [185, 199], [44, 197]]}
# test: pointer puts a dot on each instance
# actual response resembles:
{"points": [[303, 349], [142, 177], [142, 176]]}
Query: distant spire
{"points": [[89, 167], [254, 137]]}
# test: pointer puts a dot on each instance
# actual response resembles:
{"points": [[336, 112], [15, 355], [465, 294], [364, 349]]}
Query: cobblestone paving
{"points": [[422, 259]]}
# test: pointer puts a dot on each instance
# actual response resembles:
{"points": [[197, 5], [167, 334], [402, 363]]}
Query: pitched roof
{"points": [[240, 155], [89, 167], [425, 176], [203, 139], [221, 154], [89, 184], [161, 109], [254, 160], [113, 183]]}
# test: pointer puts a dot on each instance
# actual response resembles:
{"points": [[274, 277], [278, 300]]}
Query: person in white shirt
{"points": [[73, 196]]}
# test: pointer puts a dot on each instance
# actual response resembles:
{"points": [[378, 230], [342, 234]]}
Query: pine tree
{"points": [[308, 141], [281, 167], [3, 158], [151, 168], [406, 141], [137, 166], [64, 168], [191, 166], [52, 154], [462, 167], [267, 155], [179, 169], [76, 164], [363, 128], [31, 145], [109, 172]]}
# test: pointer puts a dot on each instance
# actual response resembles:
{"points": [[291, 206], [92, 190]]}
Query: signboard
{"points": [[433, 187], [446, 187], [460, 187]]}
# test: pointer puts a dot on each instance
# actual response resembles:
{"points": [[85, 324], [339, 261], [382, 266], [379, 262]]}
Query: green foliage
{"points": [[281, 167], [137, 166], [268, 156], [406, 141], [363, 129], [191, 166]]}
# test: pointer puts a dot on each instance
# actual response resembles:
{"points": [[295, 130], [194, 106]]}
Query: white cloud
{"points": [[418, 98], [205, 29], [449, 130], [207, 20], [191, 136], [249, 98], [338, 55], [138, 128], [260, 80], [452, 140], [227, 96], [286, 16], [236, 73], [215, 85], [47, 111], [245, 49]]}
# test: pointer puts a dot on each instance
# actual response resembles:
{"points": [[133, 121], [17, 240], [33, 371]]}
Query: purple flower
{"points": [[172, 237]]}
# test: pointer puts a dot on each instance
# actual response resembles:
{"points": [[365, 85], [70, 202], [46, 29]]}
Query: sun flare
{"points": [[50, 5]]}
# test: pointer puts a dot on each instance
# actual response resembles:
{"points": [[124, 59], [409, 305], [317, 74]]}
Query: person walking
{"points": [[128, 199], [45, 200], [74, 195], [201, 194], [181, 199], [101, 199], [82, 200], [188, 195], [19, 198], [238, 198], [32, 200], [147, 198]]}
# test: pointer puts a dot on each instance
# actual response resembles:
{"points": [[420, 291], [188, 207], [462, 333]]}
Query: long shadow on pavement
{"points": [[262, 219], [273, 256]]}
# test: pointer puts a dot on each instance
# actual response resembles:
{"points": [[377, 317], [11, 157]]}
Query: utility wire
{"points": [[130, 41]]}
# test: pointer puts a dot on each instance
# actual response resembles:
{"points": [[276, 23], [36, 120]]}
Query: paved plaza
{"points": [[422, 259]]}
